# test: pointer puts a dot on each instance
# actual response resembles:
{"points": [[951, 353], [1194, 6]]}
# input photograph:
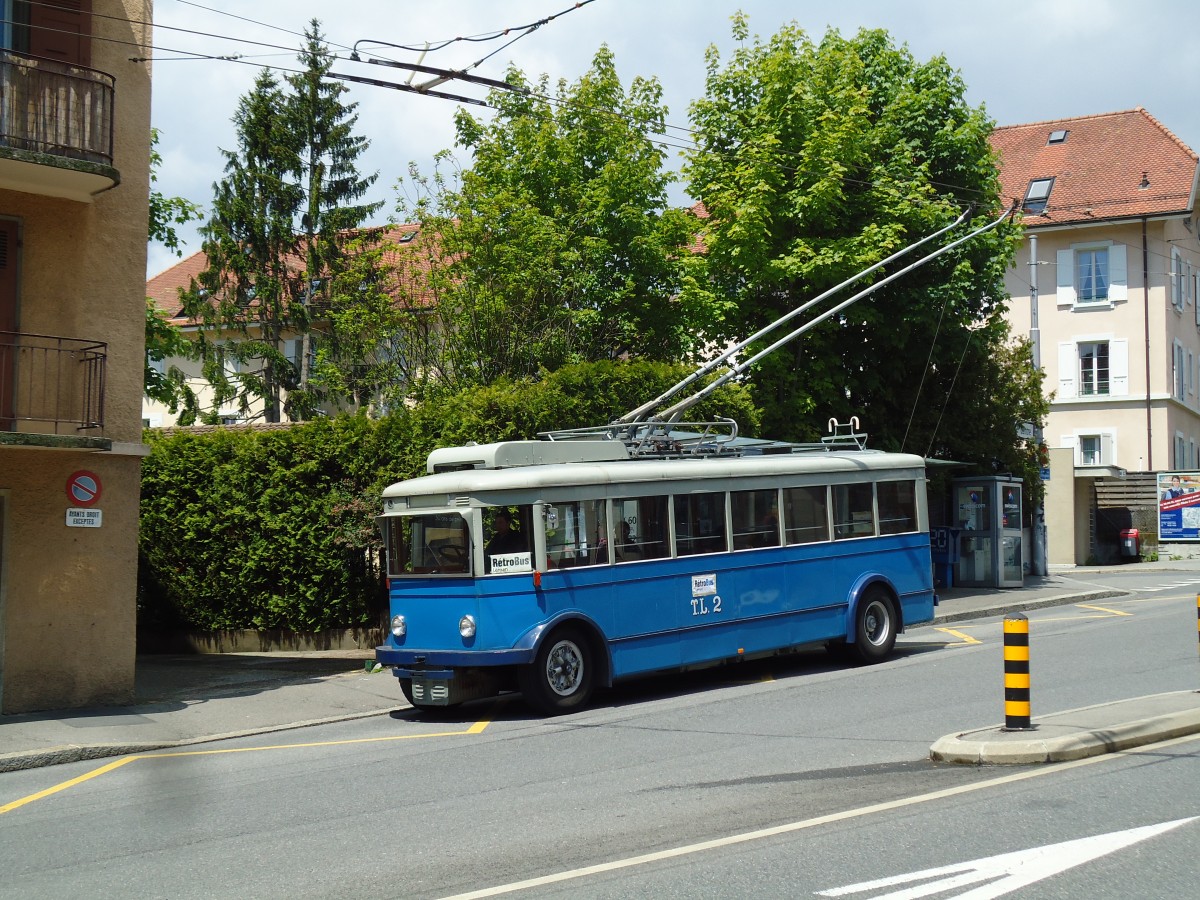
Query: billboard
{"points": [[1179, 506]]}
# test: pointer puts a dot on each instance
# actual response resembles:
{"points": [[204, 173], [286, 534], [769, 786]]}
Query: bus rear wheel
{"points": [[875, 627], [562, 676]]}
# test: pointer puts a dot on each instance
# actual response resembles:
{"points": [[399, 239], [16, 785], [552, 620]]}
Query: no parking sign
{"points": [[83, 488]]}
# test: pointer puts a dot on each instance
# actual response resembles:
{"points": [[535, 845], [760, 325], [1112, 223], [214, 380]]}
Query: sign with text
{"points": [[84, 518], [1179, 506], [507, 563]]}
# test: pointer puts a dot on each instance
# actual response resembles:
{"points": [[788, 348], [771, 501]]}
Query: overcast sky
{"points": [[1025, 61]]}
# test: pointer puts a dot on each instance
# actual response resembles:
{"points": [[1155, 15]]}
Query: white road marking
{"points": [[790, 827], [1014, 870]]}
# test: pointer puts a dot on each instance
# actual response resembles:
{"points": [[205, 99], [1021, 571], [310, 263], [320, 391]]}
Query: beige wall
{"points": [[68, 595], [1144, 420], [1060, 508]]}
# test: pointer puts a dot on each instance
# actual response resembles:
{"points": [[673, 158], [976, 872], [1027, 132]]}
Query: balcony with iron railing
{"points": [[51, 385], [56, 127]]}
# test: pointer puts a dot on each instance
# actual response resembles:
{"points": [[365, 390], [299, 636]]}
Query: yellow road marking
{"points": [[1115, 612], [965, 638], [477, 728], [95, 773]]}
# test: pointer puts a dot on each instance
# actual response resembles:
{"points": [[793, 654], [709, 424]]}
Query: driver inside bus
{"points": [[504, 540]]}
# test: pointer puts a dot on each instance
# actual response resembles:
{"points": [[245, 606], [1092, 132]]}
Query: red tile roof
{"points": [[165, 287], [1112, 166]]}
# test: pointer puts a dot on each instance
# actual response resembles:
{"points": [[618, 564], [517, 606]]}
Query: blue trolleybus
{"points": [[559, 566]]}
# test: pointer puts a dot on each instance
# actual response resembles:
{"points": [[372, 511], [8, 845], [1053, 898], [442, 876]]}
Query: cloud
{"points": [[1026, 61]]}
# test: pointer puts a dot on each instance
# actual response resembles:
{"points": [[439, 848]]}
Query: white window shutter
{"points": [[1174, 277], [1118, 274], [1065, 278], [1118, 368], [1108, 454], [1067, 361], [1072, 441]]}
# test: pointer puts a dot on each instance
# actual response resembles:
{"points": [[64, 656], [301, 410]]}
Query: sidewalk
{"points": [[182, 700]]}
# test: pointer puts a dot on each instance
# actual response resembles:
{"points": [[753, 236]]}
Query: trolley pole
{"points": [[1016, 673]]}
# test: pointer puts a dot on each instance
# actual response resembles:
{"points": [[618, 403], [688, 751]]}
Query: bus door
{"points": [[706, 593], [646, 610]]}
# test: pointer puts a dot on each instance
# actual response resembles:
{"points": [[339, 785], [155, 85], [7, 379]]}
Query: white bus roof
{"points": [[508, 454], [454, 486]]}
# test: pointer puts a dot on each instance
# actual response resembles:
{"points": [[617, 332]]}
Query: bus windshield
{"points": [[433, 544]]}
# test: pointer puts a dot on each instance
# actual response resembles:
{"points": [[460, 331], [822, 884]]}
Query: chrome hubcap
{"points": [[564, 668]]}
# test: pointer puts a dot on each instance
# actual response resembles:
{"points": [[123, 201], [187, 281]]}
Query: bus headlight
{"points": [[399, 626], [466, 626]]}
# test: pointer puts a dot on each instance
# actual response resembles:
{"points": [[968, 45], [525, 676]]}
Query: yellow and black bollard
{"points": [[1016, 673], [1198, 617]]}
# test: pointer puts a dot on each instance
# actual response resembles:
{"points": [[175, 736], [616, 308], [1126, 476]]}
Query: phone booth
{"points": [[987, 514]]}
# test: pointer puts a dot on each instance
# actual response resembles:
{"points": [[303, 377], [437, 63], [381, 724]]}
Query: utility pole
{"points": [[1037, 554]]}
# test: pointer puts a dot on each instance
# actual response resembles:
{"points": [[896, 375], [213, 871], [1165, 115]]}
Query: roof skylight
{"points": [[1038, 195]]}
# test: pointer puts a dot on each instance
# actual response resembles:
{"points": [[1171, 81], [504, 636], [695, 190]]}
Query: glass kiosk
{"points": [[987, 516]]}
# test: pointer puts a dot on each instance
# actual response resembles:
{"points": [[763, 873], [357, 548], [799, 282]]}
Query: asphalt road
{"points": [[788, 778]]}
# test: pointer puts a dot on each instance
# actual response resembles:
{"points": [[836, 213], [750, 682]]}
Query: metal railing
{"points": [[54, 380], [52, 107]]}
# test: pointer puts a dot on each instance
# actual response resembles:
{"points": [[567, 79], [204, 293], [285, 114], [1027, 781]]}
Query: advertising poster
{"points": [[1179, 506]]}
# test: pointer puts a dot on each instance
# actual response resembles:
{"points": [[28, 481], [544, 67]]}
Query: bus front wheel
{"points": [[562, 675], [875, 627]]}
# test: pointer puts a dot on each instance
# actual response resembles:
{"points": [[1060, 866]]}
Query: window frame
{"points": [[1036, 203], [1102, 387], [1093, 300]]}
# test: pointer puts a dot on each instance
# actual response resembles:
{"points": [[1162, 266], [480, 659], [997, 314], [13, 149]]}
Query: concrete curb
{"points": [[68, 753], [1057, 743], [1025, 605]]}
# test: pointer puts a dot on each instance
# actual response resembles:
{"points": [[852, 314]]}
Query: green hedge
{"points": [[259, 529]]}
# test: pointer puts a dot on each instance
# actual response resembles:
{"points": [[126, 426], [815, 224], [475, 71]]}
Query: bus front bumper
{"points": [[425, 663], [447, 678]]}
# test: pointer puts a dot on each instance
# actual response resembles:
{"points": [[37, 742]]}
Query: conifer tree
{"points": [[280, 219]]}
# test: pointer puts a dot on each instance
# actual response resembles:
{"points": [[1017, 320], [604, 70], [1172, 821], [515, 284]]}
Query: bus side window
{"points": [[641, 528], [853, 510], [578, 536], [506, 532], [897, 506], [700, 523], [755, 519], [806, 514]]}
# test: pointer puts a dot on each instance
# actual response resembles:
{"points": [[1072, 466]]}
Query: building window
{"points": [[1093, 368], [1037, 195], [1094, 449], [55, 30], [1057, 137], [1091, 278], [1092, 275]]}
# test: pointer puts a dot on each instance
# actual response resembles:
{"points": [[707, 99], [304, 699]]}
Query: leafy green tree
{"points": [[275, 239], [816, 160], [558, 241], [163, 340]]}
